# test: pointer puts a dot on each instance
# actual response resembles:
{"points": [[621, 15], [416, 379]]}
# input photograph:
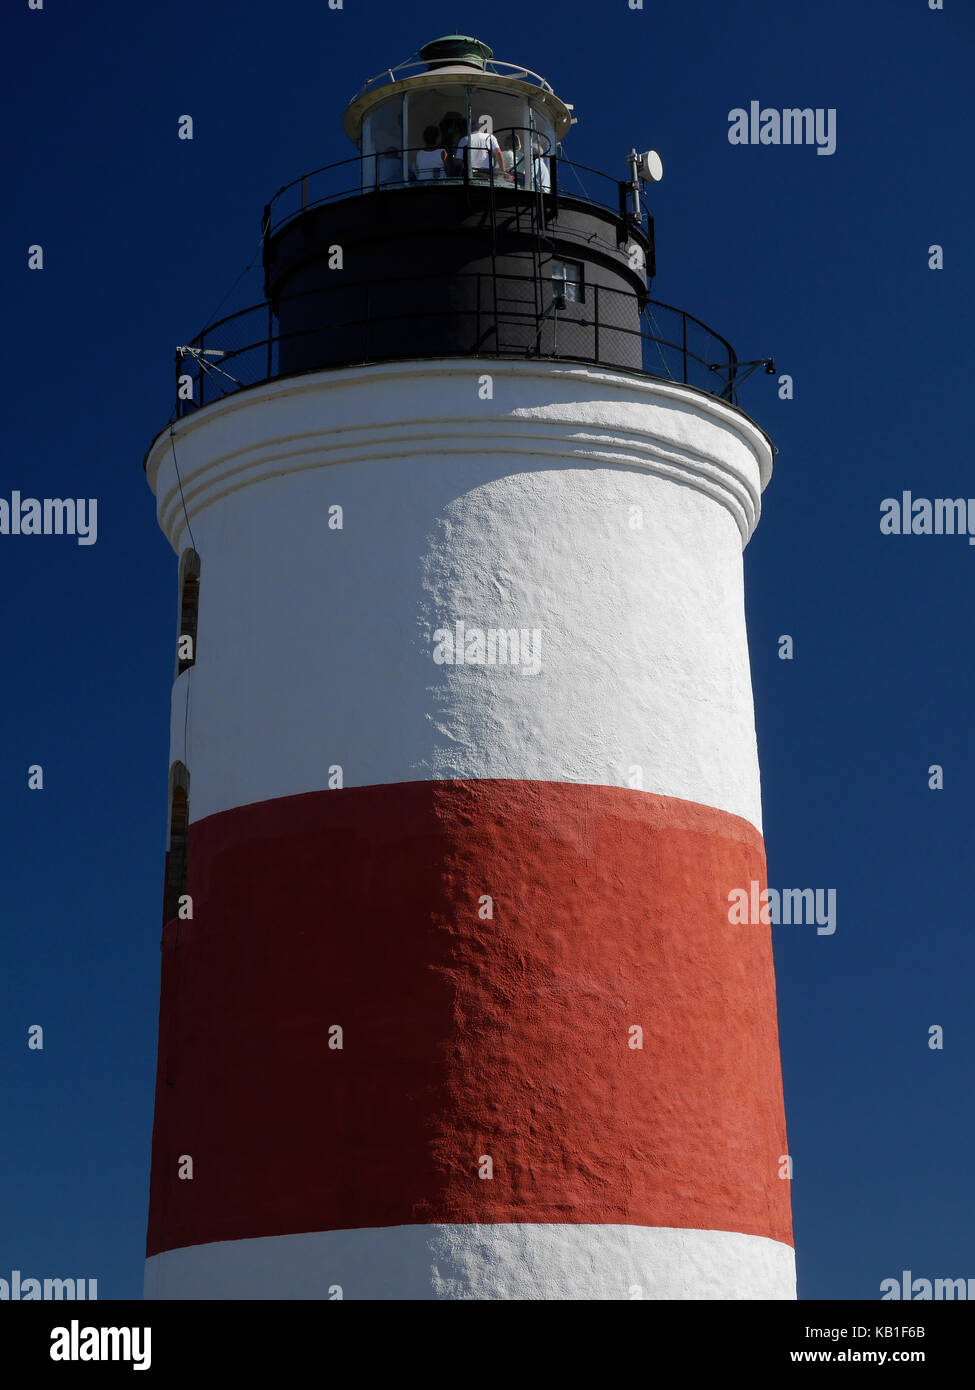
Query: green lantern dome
{"points": [[456, 48]]}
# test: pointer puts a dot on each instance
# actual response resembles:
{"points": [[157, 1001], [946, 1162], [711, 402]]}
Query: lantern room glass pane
{"points": [[542, 150], [384, 161], [436, 118], [429, 133]]}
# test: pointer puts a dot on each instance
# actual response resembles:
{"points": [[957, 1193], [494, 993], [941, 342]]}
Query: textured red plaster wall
{"points": [[465, 1037]]}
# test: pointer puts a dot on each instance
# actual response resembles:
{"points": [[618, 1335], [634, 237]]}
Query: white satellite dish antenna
{"points": [[650, 167]]}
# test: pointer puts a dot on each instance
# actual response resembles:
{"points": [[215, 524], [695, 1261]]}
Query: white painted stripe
{"points": [[507, 1261], [314, 645]]}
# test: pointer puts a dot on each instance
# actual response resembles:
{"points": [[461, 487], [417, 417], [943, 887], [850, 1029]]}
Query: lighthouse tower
{"points": [[463, 765]]}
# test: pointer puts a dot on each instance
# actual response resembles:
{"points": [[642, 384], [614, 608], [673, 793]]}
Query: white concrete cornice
{"points": [[547, 411]]}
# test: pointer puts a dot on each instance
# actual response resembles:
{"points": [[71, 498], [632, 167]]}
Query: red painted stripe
{"points": [[466, 1037]]}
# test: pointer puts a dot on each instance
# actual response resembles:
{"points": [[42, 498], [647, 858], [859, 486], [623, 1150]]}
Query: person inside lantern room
{"points": [[514, 157], [482, 151], [430, 162], [541, 173], [452, 126]]}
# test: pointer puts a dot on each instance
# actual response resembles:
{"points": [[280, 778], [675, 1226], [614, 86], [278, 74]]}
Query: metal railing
{"points": [[416, 66], [527, 169], [506, 315]]}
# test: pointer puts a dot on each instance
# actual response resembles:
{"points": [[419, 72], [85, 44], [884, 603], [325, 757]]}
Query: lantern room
{"points": [[423, 120]]}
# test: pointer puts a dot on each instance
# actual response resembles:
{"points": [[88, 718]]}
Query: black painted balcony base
{"points": [[460, 316], [347, 324], [454, 269]]}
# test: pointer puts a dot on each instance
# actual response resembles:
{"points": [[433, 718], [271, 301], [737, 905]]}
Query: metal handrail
{"points": [[362, 180], [219, 364], [493, 67]]}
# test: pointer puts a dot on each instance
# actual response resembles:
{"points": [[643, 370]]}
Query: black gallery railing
{"points": [[524, 162], [470, 314]]}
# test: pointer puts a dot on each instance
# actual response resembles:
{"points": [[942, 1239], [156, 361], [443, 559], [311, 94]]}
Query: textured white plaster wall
{"points": [[315, 645]]}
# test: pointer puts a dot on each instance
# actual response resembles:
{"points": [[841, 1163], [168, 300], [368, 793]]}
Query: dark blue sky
{"points": [[822, 261]]}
